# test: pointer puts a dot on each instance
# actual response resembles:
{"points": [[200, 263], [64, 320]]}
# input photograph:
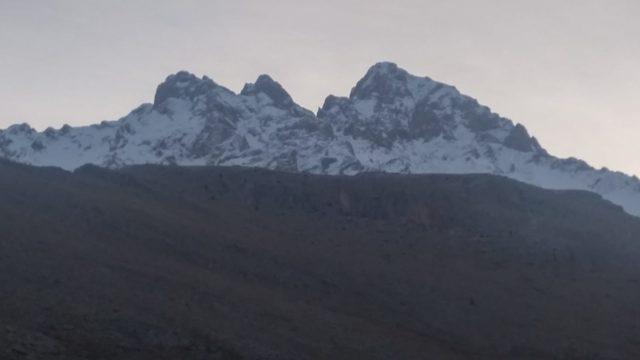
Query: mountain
{"points": [[392, 121], [168, 262]]}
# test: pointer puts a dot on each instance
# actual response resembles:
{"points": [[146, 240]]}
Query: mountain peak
{"points": [[384, 80], [385, 67], [271, 88], [393, 121], [22, 128], [182, 84]]}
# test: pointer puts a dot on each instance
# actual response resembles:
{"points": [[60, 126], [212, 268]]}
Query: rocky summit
{"points": [[392, 121]]}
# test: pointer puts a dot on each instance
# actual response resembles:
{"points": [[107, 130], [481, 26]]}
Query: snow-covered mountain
{"points": [[392, 121]]}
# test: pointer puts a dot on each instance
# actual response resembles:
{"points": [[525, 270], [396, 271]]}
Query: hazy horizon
{"points": [[568, 71]]}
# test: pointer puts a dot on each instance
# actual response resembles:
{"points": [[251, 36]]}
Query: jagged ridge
{"points": [[392, 121]]}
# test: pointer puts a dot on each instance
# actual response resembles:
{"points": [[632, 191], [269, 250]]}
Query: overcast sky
{"points": [[568, 70]]}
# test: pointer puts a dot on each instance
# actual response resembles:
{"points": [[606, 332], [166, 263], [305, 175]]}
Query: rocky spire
{"points": [[182, 85], [271, 88], [384, 81]]}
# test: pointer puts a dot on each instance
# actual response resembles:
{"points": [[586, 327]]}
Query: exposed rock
{"points": [[392, 121]]}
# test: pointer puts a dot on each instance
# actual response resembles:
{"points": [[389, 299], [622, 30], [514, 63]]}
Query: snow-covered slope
{"points": [[392, 121]]}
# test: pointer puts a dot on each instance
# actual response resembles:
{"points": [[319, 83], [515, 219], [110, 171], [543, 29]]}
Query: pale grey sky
{"points": [[568, 70]]}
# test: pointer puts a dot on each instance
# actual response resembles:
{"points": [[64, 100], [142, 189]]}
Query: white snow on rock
{"points": [[392, 121]]}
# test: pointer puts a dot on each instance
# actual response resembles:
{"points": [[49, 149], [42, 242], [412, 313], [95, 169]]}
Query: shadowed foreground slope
{"points": [[158, 262]]}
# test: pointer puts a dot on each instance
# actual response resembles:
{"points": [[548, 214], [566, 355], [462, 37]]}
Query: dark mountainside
{"points": [[153, 262]]}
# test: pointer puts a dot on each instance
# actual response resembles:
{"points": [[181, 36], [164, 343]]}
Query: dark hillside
{"points": [[153, 262]]}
